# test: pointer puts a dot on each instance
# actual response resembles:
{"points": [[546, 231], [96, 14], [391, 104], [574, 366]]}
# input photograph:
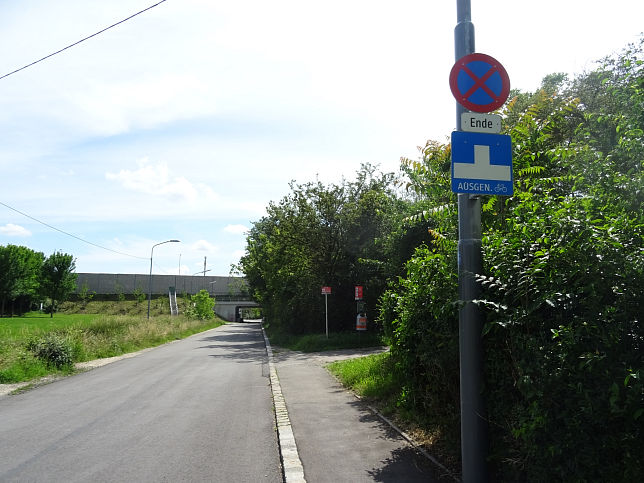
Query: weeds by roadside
{"points": [[35, 345]]}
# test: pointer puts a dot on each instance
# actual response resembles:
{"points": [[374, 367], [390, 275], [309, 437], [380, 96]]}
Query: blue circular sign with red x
{"points": [[479, 83]]}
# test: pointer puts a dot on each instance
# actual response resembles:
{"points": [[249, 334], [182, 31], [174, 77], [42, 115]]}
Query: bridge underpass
{"points": [[230, 309]]}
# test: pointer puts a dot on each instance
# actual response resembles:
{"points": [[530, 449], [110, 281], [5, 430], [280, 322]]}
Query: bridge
{"points": [[229, 292], [229, 307]]}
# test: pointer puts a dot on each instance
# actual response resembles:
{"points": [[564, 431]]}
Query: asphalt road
{"points": [[199, 409]]}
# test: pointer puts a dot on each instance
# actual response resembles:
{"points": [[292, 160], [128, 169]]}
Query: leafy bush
{"points": [[139, 295], [564, 343], [52, 349], [85, 295], [420, 316], [202, 306]]}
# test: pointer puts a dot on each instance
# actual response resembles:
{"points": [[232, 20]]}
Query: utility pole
{"points": [[473, 414], [204, 266]]}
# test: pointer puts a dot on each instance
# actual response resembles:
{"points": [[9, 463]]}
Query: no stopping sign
{"points": [[479, 82]]}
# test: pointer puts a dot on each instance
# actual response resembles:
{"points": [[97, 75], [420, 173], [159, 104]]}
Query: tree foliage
{"points": [[321, 235], [202, 306], [19, 276], [562, 284], [57, 278]]}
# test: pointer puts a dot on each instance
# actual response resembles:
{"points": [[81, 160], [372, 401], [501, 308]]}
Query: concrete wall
{"points": [[115, 283]]}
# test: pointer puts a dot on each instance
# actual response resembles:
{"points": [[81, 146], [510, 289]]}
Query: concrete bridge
{"points": [[229, 292], [231, 309]]}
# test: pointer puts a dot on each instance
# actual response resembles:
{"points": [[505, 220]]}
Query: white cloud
{"points": [[14, 230], [203, 246], [236, 229], [155, 180]]}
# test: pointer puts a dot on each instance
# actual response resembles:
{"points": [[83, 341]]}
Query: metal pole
{"points": [[150, 281], [326, 314], [150, 277], [473, 422]]}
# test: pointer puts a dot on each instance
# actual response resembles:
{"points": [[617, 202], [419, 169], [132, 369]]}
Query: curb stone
{"points": [[291, 463]]}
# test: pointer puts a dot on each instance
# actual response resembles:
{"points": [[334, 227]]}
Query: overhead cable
{"points": [[70, 234], [83, 40]]}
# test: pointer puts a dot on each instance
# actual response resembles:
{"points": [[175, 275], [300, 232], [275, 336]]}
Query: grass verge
{"points": [[370, 377], [319, 342], [36, 345]]}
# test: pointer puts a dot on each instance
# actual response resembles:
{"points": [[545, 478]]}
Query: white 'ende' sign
{"points": [[473, 122]]}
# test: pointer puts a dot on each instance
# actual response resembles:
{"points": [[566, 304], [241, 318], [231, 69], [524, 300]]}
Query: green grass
{"points": [[319, 342], [35, 323], [371, 377], [87, 337]]}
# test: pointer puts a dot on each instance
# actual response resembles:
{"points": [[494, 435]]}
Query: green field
{"points": [[39, 323], [36, 345]]}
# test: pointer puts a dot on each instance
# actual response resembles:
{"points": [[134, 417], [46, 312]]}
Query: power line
{"points": [[70, 234], [83, 40]]}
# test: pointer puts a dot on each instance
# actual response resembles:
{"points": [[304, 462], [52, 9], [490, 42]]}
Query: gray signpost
{"points": [[473, 415]]}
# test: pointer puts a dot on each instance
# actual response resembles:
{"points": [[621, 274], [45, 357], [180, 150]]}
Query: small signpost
{"points": [[361, 317], [326, 291]]}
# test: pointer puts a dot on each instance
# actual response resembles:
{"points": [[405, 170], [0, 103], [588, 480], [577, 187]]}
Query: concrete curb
{"points": [[291, 463]]}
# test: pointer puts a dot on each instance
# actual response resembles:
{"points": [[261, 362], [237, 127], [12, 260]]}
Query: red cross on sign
{"points": [[479, 83]]}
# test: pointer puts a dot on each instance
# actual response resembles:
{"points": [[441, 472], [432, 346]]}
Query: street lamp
{"points": [[150, 279]]}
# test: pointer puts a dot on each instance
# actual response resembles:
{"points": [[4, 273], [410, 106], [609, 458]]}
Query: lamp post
{"points": [[150, 279]]}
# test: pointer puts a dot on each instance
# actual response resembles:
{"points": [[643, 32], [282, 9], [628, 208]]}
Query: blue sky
{"points": [[187, 120]]}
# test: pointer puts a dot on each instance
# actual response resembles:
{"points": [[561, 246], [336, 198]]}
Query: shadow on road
{"points": [[244, 344], [400, 462], [405, 463]]}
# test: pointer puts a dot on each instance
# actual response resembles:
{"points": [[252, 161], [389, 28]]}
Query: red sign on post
{"points": [[479, 82], [326, 290], [358, 292]]}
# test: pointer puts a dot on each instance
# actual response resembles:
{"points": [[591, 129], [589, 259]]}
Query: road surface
{"points": [[199, 409]]}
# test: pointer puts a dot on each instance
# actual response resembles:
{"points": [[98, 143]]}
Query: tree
{"points": [[321, 236], [58, 279], [19, 271]]}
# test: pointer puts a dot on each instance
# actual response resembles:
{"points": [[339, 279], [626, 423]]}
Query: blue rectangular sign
{"points": [[482, 163]]}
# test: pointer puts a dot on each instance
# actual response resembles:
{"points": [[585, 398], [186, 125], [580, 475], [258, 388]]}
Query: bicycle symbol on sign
{"points": [[501, 188]]}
